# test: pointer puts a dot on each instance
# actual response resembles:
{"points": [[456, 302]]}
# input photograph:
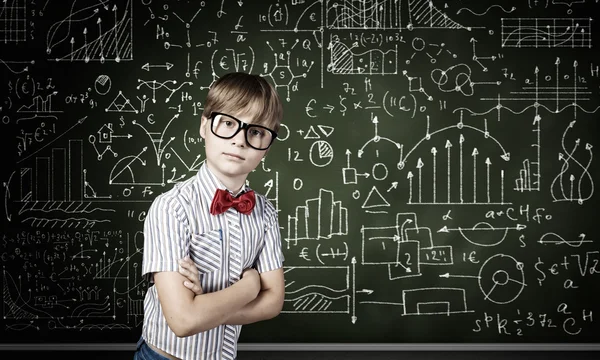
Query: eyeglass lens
{"points": [[225, 127]]}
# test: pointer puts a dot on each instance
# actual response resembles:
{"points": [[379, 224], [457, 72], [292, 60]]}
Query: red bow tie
{"points": [[223, 201]]}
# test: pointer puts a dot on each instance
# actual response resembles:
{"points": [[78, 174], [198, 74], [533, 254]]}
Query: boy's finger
{"points": [[184, 271], [188, 266], [190, 275], [195, 288]]}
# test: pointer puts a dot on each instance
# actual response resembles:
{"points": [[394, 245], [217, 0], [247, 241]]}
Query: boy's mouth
{"points": [[234, 156]]}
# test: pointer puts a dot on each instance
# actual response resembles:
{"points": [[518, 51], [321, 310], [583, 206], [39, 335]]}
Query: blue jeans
{"points": [[145, 352]]}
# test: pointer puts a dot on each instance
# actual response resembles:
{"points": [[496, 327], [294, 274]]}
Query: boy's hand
{"points": [[254, 279], [188, 269]]}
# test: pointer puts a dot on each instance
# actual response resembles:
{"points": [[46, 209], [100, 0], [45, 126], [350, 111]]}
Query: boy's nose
{"points": [[239, 138]]}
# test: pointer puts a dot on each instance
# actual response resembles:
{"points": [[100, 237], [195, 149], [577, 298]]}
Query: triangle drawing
{"points": [[120, 104], [374, 199], [326, 130], [311, 134]]}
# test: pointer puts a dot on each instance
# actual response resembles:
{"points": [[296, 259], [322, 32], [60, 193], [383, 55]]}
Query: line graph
{"points": [[547, 32], [387, 14], [345, 60], [100, 32], [13, 21]]}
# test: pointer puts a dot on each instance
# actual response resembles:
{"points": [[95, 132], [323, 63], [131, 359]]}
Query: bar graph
{"points": [[320, 218], [54, 178], [40, 104], [26, 184], [529, 174], [42, 178], [75, 171], [524, 182], [59, 174]]}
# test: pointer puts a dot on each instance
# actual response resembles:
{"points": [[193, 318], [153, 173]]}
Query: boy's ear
{"points": [[203, 127]]}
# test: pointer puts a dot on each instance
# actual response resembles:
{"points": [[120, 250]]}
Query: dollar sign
{"points": [[540, 262], [521, 240], [10, 87], [343, 111]]}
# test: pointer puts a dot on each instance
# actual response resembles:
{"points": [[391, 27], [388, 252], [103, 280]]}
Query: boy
{"points": [[212, 247]]}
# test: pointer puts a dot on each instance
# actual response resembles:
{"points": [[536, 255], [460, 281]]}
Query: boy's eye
{"points": [[228, 123], [256, 132]]}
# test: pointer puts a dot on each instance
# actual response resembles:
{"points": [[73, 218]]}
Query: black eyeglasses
{"points": [[226, 126]]}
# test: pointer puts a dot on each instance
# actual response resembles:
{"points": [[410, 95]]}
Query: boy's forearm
{"points": [[266, 306], [210, 310]]}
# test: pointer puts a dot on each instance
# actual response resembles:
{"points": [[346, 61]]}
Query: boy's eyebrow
{"points": [[250, 119], [252, 113]]}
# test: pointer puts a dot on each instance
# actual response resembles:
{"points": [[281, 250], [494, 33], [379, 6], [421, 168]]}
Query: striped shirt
{"points": [[222, 246]]}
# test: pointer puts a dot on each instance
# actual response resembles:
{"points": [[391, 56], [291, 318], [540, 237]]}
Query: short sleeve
{"points": [[271, 256], [165, 238]]}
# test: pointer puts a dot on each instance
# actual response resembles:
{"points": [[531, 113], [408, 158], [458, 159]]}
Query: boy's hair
{"points": [[240, 94]]}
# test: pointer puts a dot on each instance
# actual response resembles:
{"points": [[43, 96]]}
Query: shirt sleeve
{"points": [[165, 238], [271, 256]]}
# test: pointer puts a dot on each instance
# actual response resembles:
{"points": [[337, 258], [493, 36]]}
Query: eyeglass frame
{"points": [[241, 125]]}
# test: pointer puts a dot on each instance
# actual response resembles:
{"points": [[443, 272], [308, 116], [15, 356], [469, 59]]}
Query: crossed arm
{"points": [[188, 310]]}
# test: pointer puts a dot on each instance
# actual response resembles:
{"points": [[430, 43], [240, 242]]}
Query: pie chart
{"points": [[321, 153]]}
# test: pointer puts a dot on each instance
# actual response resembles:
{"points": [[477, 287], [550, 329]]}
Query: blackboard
{"points": [[434, 175]]}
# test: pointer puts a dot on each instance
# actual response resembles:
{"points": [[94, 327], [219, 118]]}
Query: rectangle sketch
{"points": [[317, 290], [435, 301]]}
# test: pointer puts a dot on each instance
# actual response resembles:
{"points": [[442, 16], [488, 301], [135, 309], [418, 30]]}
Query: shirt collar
{"points": [[209, 183]]}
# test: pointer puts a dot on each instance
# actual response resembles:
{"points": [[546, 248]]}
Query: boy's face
{"points": [[230, 158]]}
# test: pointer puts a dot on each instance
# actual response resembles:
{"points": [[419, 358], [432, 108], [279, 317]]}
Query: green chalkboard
{"points": [[434, 174]]}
